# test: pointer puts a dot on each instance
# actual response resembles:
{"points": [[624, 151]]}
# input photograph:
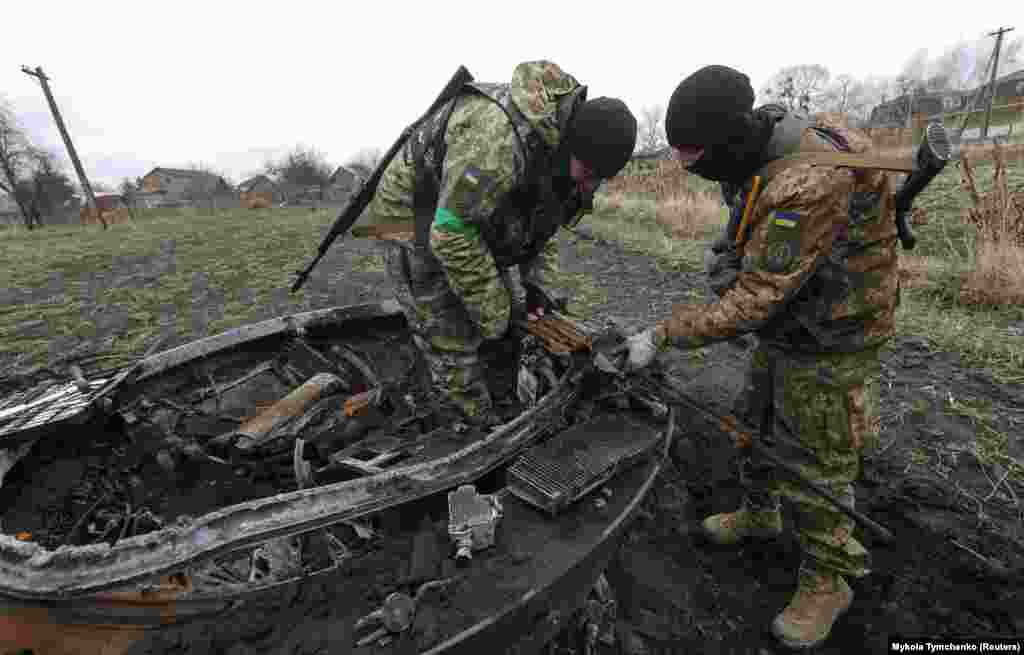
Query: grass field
{"points": [[205, 273]]}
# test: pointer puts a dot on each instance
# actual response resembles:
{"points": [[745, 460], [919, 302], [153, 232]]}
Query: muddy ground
{"points": [[957, 568]]}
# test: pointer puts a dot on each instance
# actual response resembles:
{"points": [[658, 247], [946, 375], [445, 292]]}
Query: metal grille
{"points": [[568, 466], [49, 402]]}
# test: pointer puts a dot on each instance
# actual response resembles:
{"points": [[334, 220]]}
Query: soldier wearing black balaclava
{"points": [[814, 276]]}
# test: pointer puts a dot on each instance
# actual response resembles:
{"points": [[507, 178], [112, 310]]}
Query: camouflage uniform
{"points": [[819, 286], [475, 182]]}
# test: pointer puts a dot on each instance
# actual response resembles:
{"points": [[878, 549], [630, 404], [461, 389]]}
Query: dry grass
{"points": [[997, 278], [687, 206]]}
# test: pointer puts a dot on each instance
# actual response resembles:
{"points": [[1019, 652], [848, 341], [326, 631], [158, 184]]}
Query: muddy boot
{"points": [[821, 597], [758, 516]]}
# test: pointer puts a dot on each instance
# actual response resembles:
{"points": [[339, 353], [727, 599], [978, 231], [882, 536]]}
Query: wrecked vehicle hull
{"points": [[225, 476]]}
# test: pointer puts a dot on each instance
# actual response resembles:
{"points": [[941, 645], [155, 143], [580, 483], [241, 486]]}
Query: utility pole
{"points": [[992, 83], [82, 179]]}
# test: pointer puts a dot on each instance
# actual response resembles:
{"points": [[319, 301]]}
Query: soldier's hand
{"points": [[641, 350], [537, 301]]}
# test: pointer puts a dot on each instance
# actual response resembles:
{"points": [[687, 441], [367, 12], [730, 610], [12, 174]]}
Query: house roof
{"points": [[253, 181], [353, 170], [181, 172]]}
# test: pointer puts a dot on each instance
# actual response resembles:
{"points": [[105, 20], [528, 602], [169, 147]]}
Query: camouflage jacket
{"points": [[484, 160], [819, 268]]}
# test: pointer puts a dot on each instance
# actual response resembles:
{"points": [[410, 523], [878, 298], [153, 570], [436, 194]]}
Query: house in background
{"points": [[927, 107], [259, 192], [342, 184], [175, 187]]}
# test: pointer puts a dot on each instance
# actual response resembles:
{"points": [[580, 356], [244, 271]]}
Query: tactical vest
{"points": [[529, 216]]}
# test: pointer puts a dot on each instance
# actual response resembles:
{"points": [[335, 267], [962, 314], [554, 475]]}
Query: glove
{"points": [[722, 268], [641, 350], [537, 300]]}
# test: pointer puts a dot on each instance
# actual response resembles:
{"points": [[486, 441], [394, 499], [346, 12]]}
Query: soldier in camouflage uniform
{"points": [[817, 282], [486, 182]]}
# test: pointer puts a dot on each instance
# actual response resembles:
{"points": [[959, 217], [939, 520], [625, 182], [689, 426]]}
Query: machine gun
{"points": [[931, 158], [358, 202]]}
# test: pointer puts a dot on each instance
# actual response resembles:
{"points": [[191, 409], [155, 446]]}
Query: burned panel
{"points": [[45, 404], [565, 468]]}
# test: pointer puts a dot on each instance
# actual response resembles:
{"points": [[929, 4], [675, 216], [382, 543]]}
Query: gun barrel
{"points": [[931, 158]]}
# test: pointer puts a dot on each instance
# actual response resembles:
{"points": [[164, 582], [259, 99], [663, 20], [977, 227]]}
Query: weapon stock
{"points": [[931, 158], [745, 435], [358, 202]]}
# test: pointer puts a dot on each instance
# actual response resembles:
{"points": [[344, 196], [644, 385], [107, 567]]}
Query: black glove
{"points": [[722, 268], [538, 298]]}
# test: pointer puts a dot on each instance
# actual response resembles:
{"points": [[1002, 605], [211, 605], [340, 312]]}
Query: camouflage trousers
{"points": [[818, 413], [449, 340]]}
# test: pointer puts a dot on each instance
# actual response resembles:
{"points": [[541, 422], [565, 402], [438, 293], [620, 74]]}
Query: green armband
{"points": [[449, 222]]}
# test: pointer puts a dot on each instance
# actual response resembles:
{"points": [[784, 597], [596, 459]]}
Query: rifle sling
{"points": [[384, 229], [838, 159]]}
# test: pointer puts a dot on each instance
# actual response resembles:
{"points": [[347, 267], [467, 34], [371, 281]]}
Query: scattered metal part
{"points": [[351, 357], [472, 519], [202, 394], [396, 614], [303, 469], [126, 521], [85, 516], [277, 559], [263, 427], [362, 530], [570, 465]]}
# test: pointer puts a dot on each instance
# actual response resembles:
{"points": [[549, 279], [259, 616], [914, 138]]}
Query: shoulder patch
{"points": [[472, 175], [785, 218]]}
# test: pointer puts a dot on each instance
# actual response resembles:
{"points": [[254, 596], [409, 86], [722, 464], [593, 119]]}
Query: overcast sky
{"points": [[231, 84]]}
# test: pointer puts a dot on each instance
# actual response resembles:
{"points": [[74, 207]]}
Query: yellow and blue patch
{"points": [[472, 175], [785, 218]]}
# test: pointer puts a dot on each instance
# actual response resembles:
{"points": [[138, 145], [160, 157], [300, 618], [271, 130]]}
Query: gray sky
{"points": [[231, 84]]}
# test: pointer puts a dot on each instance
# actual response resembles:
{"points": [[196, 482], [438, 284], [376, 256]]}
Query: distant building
{"points": [[343, 183], [175, 187], [925, 107], [259, 192]]}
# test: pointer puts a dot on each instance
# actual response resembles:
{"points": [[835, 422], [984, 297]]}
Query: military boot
{"points": [[758, 516], [821, 597]]}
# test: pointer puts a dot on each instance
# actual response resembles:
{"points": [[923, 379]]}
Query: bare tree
{"points": [[366, 159], [651, 135], [45, 190], [15, 157], [129, 189], [800, 87], [206, 188], [302, 167]]}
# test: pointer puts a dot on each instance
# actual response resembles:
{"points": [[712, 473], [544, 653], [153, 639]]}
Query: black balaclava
{"points": [[602, 134], [713, 108]]}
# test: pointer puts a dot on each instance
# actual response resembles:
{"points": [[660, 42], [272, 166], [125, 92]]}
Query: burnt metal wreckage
{"points": [[237, 468]]}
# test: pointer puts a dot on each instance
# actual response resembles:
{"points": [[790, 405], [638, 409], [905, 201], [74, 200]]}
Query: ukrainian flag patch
{"points": [[785, 218], [472, 175]]}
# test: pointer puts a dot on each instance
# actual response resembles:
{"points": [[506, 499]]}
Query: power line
{"points": [[992, 83]]}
